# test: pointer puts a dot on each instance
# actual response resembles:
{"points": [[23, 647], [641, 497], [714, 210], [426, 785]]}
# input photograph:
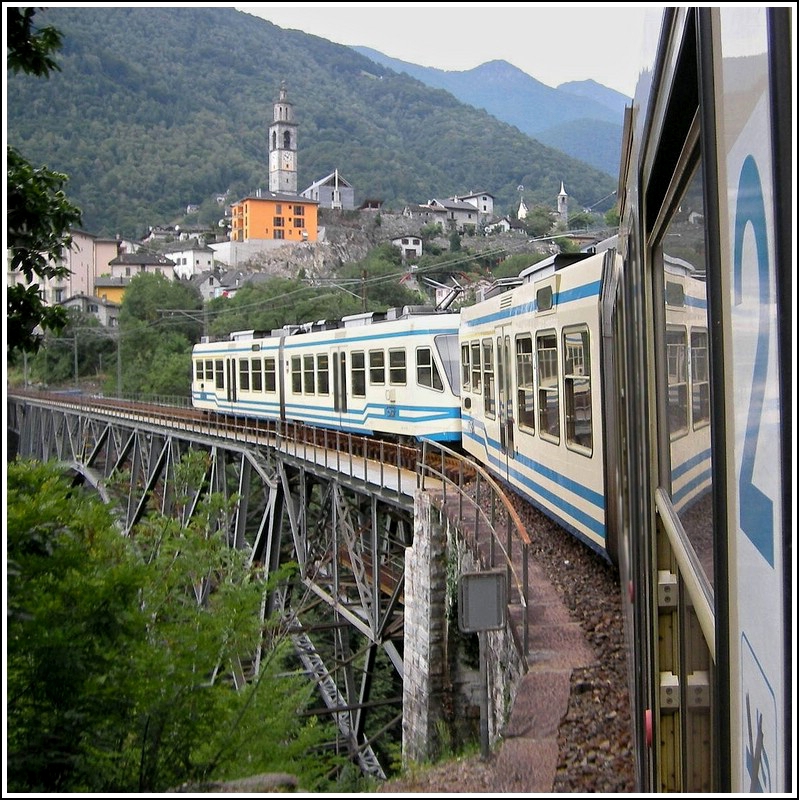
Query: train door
{"points": [[339, 367], [230, 381], [505, 418]]}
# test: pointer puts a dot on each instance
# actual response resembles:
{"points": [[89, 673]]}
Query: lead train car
{"points": [[388, 373]]}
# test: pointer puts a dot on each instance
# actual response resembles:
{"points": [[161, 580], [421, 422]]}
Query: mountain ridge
{"points": [[157, 108], [513, 96]]}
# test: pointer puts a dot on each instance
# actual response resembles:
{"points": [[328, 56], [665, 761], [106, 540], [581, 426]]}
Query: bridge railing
{"points": [[476, 503]]}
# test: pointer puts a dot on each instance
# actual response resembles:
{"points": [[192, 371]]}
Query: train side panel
{"points": [[531, 399], [393, 378]]}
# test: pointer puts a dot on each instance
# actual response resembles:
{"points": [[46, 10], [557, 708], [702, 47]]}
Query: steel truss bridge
{"points": [[340, 507]]}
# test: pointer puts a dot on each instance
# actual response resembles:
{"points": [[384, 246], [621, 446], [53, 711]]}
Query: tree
{"points": [[120, 650], [39, 215]]}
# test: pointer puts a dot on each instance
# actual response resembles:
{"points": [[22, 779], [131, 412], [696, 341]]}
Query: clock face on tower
{"points": [[287, 158]]}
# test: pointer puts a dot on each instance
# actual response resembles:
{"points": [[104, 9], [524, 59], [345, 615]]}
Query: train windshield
{"points": [[449, 353]]}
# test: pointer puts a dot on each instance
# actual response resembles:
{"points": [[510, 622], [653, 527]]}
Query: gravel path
{"points": [[594, 738]]}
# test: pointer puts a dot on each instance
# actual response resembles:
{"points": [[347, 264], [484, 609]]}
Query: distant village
{"points": [[264, 223]]}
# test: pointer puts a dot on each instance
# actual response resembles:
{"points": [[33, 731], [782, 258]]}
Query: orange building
{"points": [[274, 216]]}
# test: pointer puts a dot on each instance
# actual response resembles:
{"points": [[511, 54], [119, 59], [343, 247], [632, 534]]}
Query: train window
{"points": [[256, 375], [296, 375], [543, 299], [322, 374], [396, 367], [209, 370], [377, 367], [677, 368], [308, 374], [358, 367], [489, 396], [244, 374], [476, 373], [681, 256], [524, 382], [700, 378], [270, 375], [427, 373], [548, 392], [198, 370], [220, 373], [577, 390], [465, 368], [447, 348]]}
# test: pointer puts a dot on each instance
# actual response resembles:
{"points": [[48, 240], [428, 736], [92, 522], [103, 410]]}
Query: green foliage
{"points": [[39, 215], [122, 119], [513, 265], [121, 651], [28, 47]]}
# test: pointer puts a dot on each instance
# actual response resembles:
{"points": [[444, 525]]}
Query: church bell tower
{"points": [[283, 147]]}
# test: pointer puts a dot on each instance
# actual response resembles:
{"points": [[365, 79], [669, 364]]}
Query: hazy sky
{"points": [[552, 43]]}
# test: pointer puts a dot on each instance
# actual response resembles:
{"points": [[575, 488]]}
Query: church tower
{"points": [[283, 147], [563, 204]]}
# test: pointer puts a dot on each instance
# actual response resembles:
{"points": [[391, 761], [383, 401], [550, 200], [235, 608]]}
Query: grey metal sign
{"points": [[482, 601]]}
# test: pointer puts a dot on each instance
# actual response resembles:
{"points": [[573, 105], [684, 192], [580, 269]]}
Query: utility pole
{"points": [[119, 362], [75, 341], [363, 289]]}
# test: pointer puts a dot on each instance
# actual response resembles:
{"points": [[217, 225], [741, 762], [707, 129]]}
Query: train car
{"points": [[531, 391], [700, 325], [390, 373]]}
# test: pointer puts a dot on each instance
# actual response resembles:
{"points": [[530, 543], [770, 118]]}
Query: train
{"points": [[639, 393]]}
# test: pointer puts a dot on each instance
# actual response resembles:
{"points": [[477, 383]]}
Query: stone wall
{"points": [[442, 693]]}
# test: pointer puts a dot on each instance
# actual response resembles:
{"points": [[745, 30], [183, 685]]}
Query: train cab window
{"points": [[548, 393], [219, 369], [577, 390], [377, 367], [476, 369], [322, 374], [489, 390], [256, 375], [524, 382], [427, 373], [358, 367], [244, 374], [270, 375], [397, 371], [447, 349], [465, 368], [198, 370], [209, 370], [296, 375], [309, 384]]}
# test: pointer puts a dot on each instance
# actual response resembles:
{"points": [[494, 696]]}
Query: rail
{"points": [[477, 493]]}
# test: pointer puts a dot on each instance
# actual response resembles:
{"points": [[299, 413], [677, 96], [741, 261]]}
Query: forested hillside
{"points": [[157, 108]]}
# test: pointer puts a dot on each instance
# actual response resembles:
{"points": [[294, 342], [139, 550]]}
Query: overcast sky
{"points": [[553, 43]]}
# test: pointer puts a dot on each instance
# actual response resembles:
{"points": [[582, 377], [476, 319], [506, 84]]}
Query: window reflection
{"points": [[687, 368]]}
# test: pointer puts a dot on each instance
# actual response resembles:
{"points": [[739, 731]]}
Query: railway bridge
{"points": [[379, 532]]}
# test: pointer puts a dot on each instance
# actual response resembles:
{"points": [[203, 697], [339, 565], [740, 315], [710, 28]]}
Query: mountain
{"points": [[156, 108], [538, 110]]}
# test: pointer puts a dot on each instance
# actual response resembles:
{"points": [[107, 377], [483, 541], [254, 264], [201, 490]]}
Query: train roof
{"points": [[350, 321]]}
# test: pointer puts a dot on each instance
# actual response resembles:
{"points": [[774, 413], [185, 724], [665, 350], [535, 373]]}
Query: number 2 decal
{"points": [[756, 507]]}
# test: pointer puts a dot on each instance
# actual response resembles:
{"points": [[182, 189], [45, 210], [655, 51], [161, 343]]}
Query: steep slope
{"points": [[538, 110], [155, 108]]}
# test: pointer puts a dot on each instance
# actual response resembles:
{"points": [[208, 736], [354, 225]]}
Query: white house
{"points": [[482, 201], [409, 246], [191, 258]]}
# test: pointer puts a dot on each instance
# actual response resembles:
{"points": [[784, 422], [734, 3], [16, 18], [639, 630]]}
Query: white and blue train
{"points": [[639, 394], [392, 374]]}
